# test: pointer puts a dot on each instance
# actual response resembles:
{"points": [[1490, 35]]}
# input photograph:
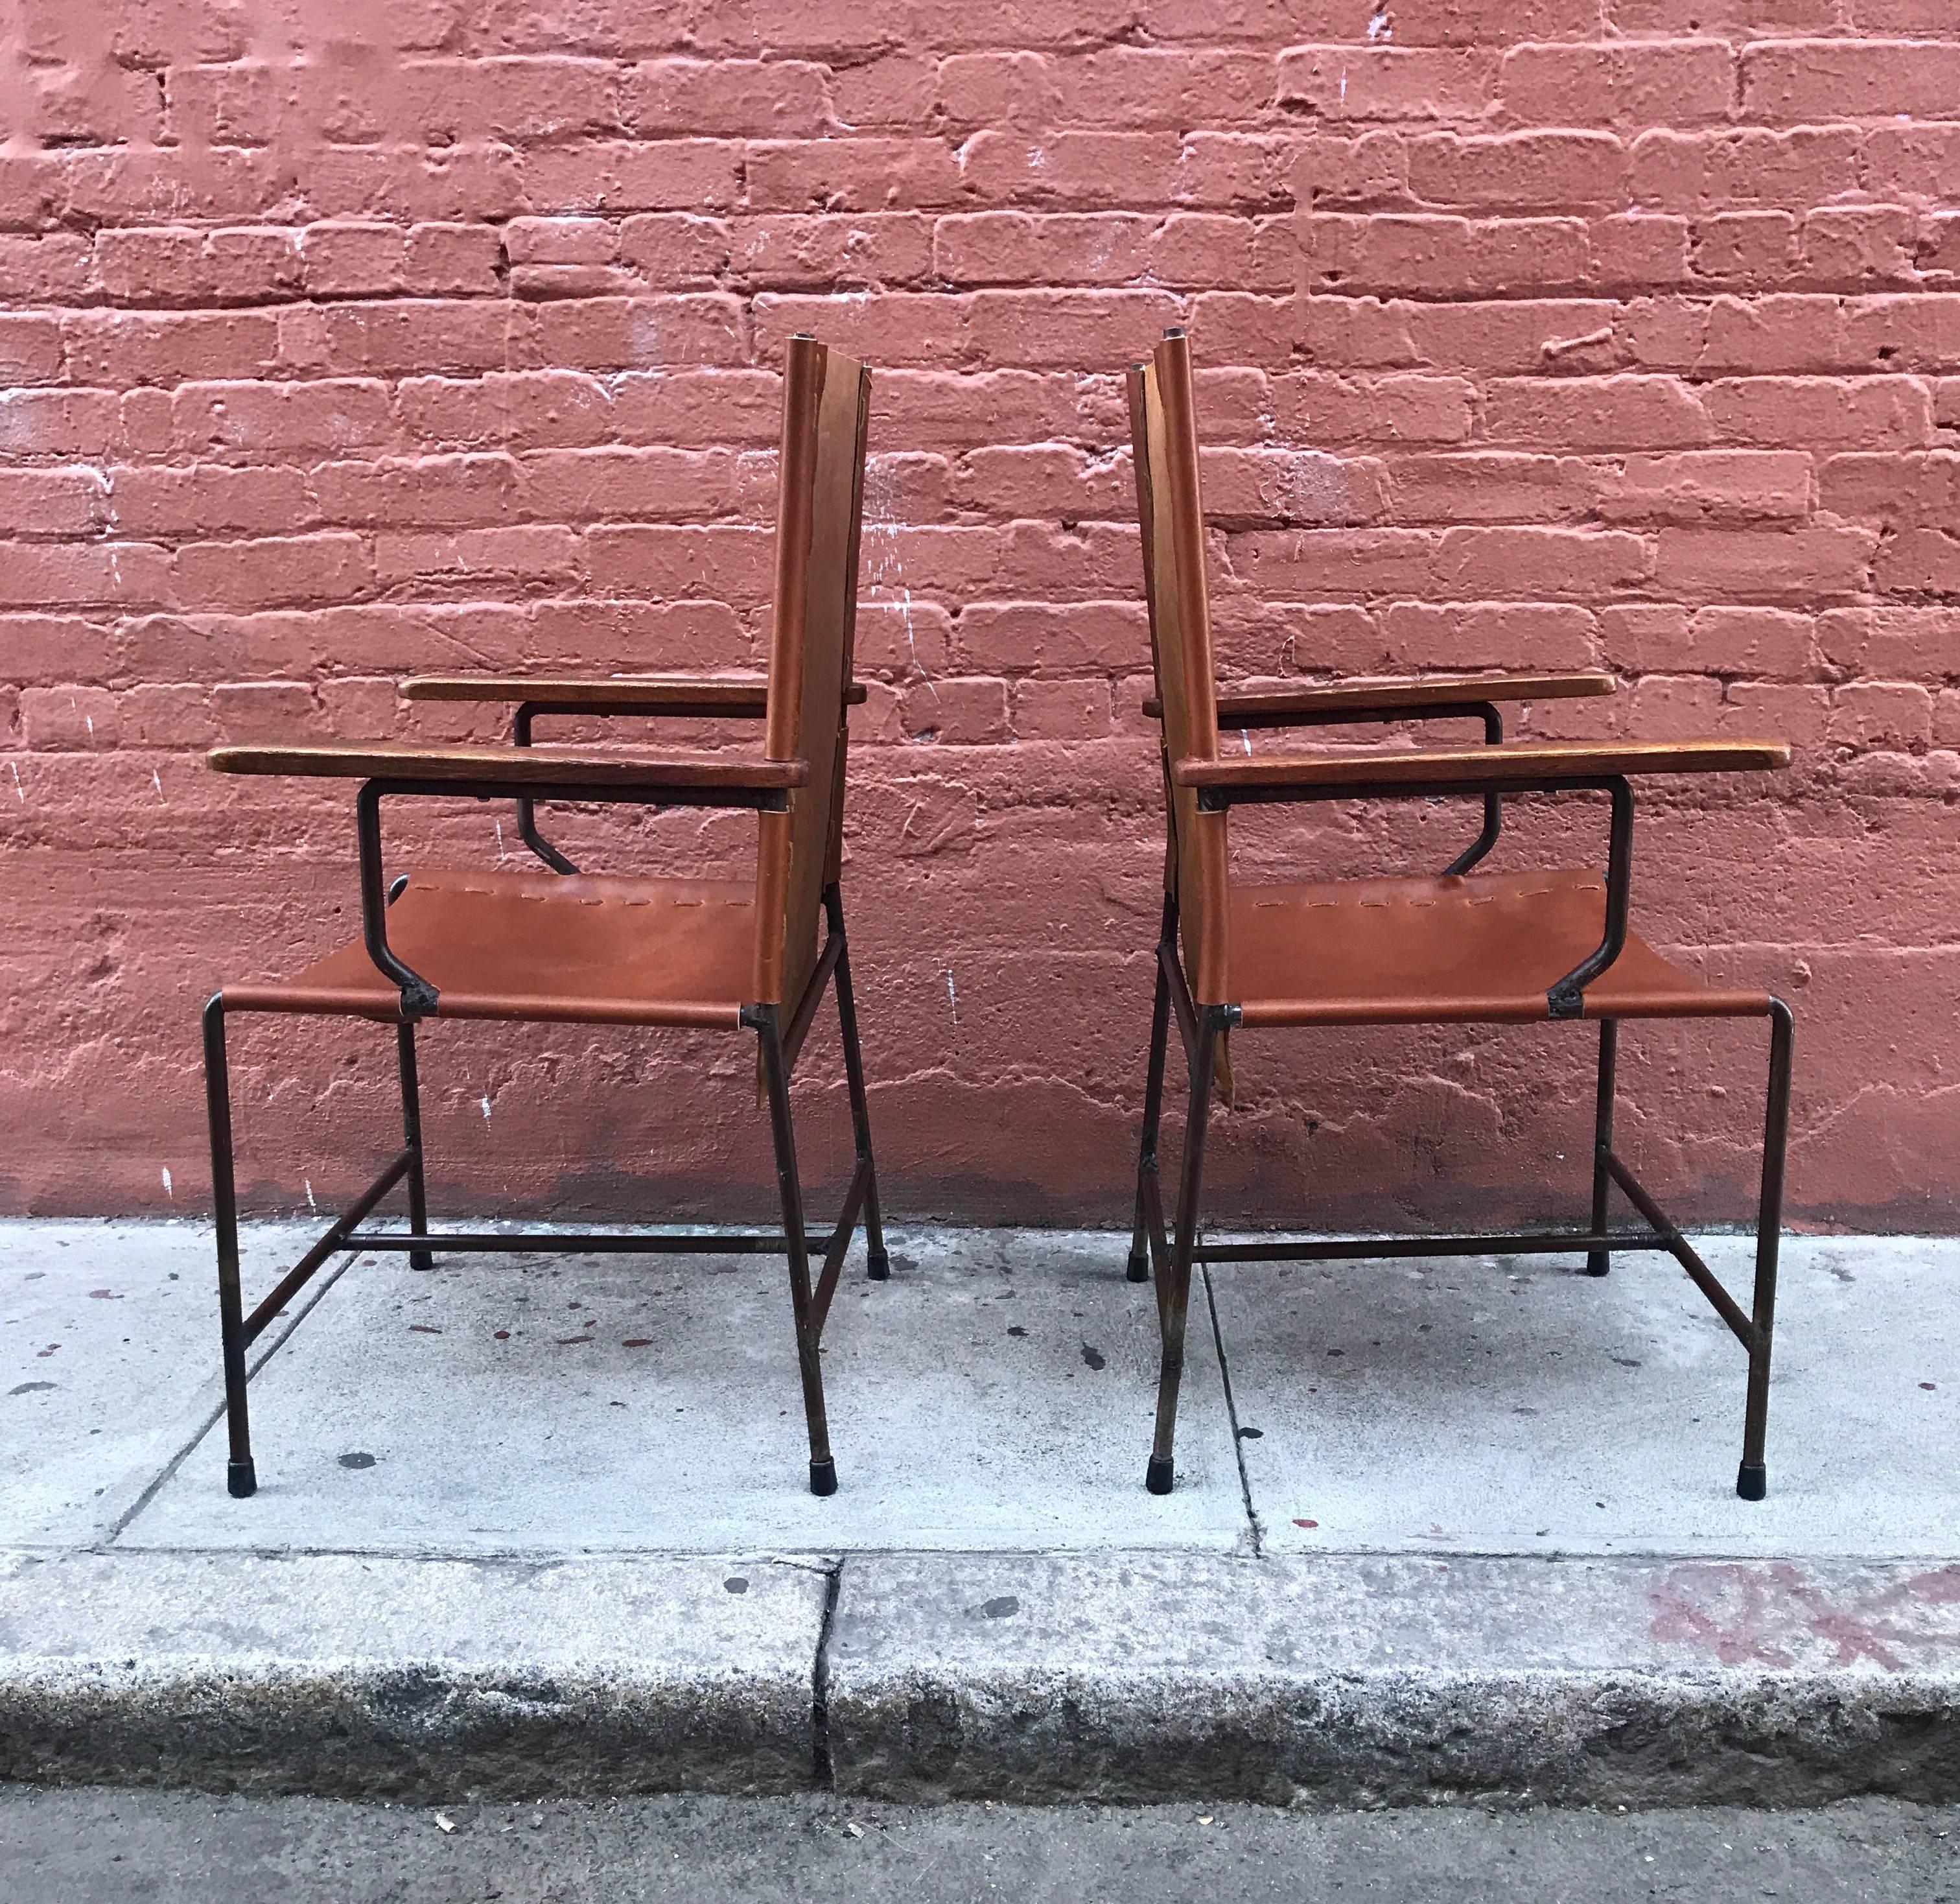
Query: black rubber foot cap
{"points": [[1139, 1269], [1752, 1480], [241, 1480], [879, 1265], [1163, 1471], [420, 1259], [823, 1476], [1597, 1262]]}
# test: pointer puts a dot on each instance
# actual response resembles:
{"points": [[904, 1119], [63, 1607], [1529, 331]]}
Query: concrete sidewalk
{"points": [[533, 1525]]}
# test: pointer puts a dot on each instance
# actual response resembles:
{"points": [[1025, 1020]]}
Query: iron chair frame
{"points": [[764, 786], [1164, 1256]]}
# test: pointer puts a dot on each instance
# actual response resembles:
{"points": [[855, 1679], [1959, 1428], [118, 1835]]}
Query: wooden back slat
{"points": [[820, 513], [1171, 511]]}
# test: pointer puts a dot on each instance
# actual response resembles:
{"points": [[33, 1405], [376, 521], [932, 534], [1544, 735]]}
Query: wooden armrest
{"points": [[1519, 763], [1286, 707], [697, 695], [514, 767]]}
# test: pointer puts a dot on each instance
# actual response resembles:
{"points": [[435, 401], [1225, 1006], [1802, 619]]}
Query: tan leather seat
{"points": [[578, 947], [1482, 949]]}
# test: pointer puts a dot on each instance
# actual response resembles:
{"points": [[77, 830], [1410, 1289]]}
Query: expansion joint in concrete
{"points": [[1255, 1533], [822, 1768]]}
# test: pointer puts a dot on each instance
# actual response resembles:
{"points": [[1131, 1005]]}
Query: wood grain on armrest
{"points": [[727, 695], [1515, 762], [516, 767], [1285, 707]]}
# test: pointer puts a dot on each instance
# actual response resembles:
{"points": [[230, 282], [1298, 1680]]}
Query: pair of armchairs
{"points": [[758, 956]]}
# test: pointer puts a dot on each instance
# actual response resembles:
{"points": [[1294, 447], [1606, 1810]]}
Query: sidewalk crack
{"points": [[1232, 1417], [822, 1771], [325, 1281]]}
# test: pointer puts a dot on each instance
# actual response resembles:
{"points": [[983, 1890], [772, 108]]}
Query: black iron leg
{"points": [[1752, 1477], [240, 1478], [767, 1023], [411, 1137], [878, 1260], [1598, 1261], [1175, 1300], [1139, 1269]]}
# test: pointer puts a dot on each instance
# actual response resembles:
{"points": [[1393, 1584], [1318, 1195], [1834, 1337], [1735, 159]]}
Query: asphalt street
{"points": [[95, 1846]]}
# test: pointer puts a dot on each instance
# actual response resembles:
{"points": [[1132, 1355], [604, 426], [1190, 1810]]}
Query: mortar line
{"points": [[1232, 1418], [822, 1770], [124, 1520]]}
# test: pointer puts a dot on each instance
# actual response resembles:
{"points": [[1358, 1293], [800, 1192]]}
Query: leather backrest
{"points": [[1171, 514], [819, 512]]}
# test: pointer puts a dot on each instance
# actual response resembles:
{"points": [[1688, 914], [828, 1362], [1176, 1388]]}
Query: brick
{"points": [[1047, 637], [751, 98], [1668, 638], [850, 175], [1020, 248], [1758, 247], [345, 259], [269, 571], [1858, 246], [662, 175], [44, 650], [1059, 710], [1911, 490], [1628, 84], [30, 348], [1709, 485], [1606, 413], [1538, 562], [1881, 714], [1767, 564], [1799, 80], [119, 348], [1519, 170], [1823, 411], [208, 498], [450, 260], [244, 711], [1919, 561], [1490, 485], [675, 248], [1686, 171], [238, 103], [332, 414], [1071, 169], [65, 720], [56, 267], [1429, 254], [1338, 82], [54, 502], [1508, 635], [961, 712], [171, 714], [1635, 250], [788, 251], [608, 333], [520, 553]]}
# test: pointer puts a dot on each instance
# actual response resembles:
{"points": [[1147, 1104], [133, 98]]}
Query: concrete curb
{"points": [[1353, 1679], [350, 1676], [1339, 1680]]}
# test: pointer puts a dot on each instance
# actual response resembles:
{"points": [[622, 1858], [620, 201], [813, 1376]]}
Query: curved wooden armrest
{"points": [[1288, 706], [513, 767], [1521, 764], [699, 697]]}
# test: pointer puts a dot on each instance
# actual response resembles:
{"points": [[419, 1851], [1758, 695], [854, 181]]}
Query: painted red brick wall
{"points": [[344, 339]]}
